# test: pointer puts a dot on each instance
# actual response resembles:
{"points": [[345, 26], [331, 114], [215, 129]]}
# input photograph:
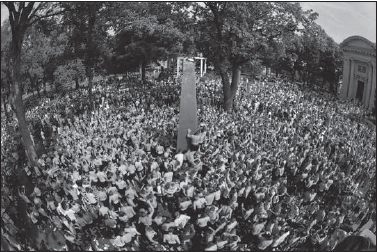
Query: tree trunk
{"points": [[90, 52], [77, 82], [39, 94], [230, 89], [305, 76], [9, 92], [226, 86], [37, 87], [293, 75], [17, 98], [143, 70], [236, 76], [90, 85], [45, 86], [7, 116]]}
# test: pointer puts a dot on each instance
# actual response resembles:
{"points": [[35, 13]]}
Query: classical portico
{"points": [[359, 70]]}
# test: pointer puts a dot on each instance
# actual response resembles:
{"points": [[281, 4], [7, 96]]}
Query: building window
{"points": [[362, 69]]}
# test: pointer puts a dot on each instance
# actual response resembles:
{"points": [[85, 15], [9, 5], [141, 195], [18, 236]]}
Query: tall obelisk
{"points": [[188, 107]]}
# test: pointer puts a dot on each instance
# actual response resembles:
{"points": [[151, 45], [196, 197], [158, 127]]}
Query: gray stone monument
{"points": [[187, 110]]}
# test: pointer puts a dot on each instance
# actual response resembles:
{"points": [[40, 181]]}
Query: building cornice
{"points": [[345, 42], [359, 50]]}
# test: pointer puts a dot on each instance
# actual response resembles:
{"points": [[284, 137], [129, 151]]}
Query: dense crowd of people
{"points": [[289, 167]]}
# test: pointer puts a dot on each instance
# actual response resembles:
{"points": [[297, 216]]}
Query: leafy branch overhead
{"points": [[31, 13], [149, 37], [232, 34]]}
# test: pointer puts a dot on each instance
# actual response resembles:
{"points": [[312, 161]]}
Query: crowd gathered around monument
{"points": [[289, 167]]}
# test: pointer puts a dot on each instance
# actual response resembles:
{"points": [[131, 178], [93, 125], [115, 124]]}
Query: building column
{"points": [[373, 87], [345, 78], [367, 88], [352, 76]]}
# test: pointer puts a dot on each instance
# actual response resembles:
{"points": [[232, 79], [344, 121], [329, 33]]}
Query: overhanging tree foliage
{"points": [[318, 57], [73, 70], [6, 70], [231, 34], [149, 37], [38, 50], [330, 65], [86, 26], [23, 15]]}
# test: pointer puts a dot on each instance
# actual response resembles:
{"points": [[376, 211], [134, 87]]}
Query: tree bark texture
{"points": [[230, 87], [143, 70], [90, 57], [44, 86], [17, 97], [90, 86], [7, 115], [77, 82]]}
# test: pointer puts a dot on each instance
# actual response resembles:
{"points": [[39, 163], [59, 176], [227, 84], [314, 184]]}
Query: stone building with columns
{"points": [[359, 70]]}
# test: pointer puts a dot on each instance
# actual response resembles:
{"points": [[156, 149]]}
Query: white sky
{"points": [[4, 13], [339, 19]]}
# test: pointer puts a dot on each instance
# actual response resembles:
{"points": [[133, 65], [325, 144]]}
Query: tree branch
{"points": [[21, 6], [34, 12], [12, 12], [38, 18], [27, 10], [10, 6], [223, 9], [215, 12]]}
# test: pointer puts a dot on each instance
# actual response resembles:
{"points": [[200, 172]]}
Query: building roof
{"points": [[358, 44], [347, 40]]}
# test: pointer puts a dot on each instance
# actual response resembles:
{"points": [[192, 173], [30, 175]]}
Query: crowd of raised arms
{"points": [[288, 167]]}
